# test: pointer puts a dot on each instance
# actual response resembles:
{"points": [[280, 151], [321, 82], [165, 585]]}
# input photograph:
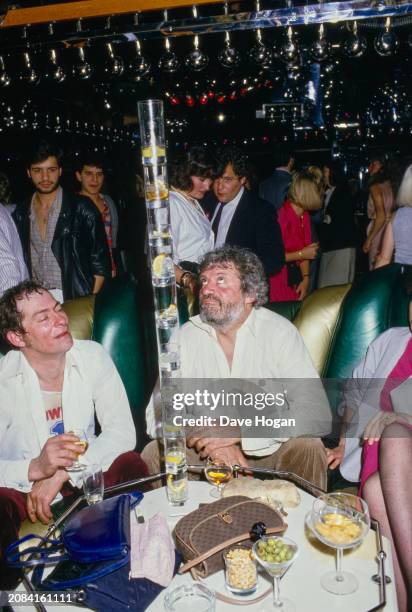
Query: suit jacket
{"points": [[340, 233], [79, 243], [274, 189], [255, 226]]}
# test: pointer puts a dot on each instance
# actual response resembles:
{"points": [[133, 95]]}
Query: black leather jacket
{"points": [[79, 243]]}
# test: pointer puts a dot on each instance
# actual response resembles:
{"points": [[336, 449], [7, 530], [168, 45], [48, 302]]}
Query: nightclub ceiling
{"points": [[331, 75]]}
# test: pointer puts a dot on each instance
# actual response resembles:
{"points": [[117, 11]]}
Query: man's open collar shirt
{"points": [[92, 387], [267, 346]]}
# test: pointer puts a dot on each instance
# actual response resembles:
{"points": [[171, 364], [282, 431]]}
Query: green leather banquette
{"points": [[337, 324]]}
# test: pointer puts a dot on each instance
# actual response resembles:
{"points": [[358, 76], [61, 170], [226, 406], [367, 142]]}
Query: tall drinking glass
{"points": [[152, 132]]}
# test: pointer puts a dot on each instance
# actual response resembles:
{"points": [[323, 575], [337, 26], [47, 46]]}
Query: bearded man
{"points": [[234, 337]]}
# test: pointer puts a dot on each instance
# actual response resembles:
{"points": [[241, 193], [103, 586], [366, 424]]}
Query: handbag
{"points": [[294, 274], [114, 591], [98, 535], [203, 535]]}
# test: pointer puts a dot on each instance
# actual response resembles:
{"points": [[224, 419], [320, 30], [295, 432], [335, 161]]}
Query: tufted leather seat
{"points": [[338, 323]]}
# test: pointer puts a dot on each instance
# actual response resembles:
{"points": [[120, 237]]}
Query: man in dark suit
{"points": [[274, 189], [62, 234], [243, 219]]}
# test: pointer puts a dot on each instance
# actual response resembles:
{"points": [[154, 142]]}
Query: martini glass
{"points": [[276, 554], [341, 521]]}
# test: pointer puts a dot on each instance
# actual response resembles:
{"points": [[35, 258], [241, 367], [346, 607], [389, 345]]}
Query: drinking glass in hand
{"points": [[83, 444], [218, 472], [93, 484]]}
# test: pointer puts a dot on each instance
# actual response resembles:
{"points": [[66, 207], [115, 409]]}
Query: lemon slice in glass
{"points": [[169, 313], [176, 486], [157, 151], [175, 457], [162, 265]]}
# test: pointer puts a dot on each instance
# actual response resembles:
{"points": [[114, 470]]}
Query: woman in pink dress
{"points": [[292, 282], [380, 206]]}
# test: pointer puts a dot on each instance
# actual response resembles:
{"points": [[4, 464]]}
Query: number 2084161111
{"points": [[36, 597]]}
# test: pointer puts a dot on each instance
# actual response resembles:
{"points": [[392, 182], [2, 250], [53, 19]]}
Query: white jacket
{"points": [[368, 379], [92, 386]]}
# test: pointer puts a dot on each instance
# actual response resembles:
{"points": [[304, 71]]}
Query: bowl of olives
{"points": [[275, 553]]}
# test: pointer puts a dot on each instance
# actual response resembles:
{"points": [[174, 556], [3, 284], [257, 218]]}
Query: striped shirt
{"points": [[13, 269], [45, 268]]}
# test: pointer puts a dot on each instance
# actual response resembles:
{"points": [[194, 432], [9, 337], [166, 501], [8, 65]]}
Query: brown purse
{"points": [[203, 535]]}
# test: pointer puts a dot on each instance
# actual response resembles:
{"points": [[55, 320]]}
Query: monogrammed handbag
{"points": [[203, 535]]}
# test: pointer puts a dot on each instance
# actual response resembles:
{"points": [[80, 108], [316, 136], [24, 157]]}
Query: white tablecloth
{"points": [[302, 581]]}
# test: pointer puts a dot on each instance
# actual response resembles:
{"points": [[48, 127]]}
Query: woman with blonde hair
{"points": [[292, 282], [317, 174], [397, 237]]}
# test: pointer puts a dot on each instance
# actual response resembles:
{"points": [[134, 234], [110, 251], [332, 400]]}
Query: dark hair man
{"points": [[51, 385], [274, 189], [234, 337], [62, 235], [241, 218], [90, 174]]}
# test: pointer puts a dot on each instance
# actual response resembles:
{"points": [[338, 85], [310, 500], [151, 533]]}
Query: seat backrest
{"points": [[338, 323], [288, 309], [376, 302], [316, 319], [117, 326]]}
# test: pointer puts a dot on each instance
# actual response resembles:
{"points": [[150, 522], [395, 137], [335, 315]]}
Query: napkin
{"points": [[152, 550]]}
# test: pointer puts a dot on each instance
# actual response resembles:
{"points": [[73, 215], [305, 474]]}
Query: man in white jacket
{"points": [[49, 385]]}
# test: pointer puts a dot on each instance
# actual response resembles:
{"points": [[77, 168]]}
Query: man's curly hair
{"points": [[250, 268]]}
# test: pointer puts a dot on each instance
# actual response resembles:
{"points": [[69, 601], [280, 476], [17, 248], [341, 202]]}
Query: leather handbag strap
{"points": [[222, 545], [45, 553]]}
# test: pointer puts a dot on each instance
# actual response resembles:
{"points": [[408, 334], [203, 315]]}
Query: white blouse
{"points": [[191, 230]]}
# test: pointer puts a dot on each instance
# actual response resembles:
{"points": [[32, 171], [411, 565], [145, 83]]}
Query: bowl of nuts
{"points": [[240, 570]]}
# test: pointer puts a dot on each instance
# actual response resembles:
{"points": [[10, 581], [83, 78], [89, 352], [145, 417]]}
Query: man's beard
{"points": [[223, 316], [50, 189]]}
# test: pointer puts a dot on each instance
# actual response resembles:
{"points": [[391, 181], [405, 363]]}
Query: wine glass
{"points": [[276, 554], [218, 472], [76, 466], [341, 521]]}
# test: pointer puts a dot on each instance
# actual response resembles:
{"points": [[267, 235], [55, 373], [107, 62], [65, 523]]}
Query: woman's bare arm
{"points": [[388, 247]]}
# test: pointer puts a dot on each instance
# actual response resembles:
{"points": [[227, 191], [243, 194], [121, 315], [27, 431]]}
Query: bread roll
{"points": [[273, 492]]}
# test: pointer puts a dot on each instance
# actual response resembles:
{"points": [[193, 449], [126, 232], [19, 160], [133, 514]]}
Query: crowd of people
{"points": [[237, 247], [301, 224], [308, 238]]}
